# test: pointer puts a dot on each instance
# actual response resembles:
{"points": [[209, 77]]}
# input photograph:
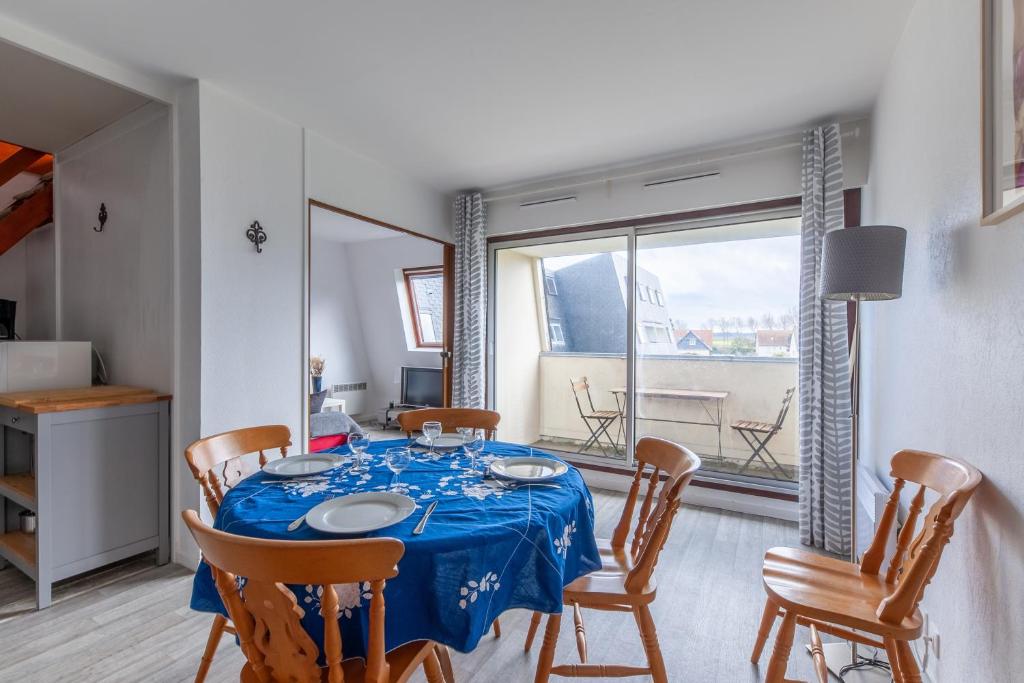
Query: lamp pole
{"points": [[862, 263]]}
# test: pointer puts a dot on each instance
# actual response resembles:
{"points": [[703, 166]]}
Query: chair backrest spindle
{"points": [[224, 452], [916, 557], [677, 465]]}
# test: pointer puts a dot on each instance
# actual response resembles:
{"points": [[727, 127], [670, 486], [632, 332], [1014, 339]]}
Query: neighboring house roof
{"points": [[774, 337], [704, 337]]}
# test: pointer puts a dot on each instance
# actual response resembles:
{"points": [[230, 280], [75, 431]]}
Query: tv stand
{"points": [[392, 412]]}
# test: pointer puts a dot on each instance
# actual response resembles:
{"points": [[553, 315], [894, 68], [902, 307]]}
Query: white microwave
{"points": [[34, 365]]}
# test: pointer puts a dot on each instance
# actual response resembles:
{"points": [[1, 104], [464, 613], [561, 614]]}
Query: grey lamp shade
{"points": [[863, 263]]}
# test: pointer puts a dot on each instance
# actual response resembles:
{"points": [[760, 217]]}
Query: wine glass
{"points": [[432, 430], [397, 459], [466, 435], [358, 443], [474, 447]]}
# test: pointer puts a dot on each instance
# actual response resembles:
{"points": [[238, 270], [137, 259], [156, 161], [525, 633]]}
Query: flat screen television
{"points": [[422, 387]]}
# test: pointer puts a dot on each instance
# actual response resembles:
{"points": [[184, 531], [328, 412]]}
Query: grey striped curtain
{"points": [[826, 445], [468, 362]]}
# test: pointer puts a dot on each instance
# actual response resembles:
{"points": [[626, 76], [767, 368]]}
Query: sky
{"points": [[744, 278]]}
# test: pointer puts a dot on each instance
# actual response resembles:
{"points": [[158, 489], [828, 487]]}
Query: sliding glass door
{"points": [[682, 331], [716, 351]]}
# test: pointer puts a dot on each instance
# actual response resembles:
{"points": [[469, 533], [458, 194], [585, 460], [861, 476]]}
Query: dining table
{"points": [[488, 546]]}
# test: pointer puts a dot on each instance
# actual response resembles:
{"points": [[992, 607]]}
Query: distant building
{"points": [[775, 343], [586, 307], [695, 342]]}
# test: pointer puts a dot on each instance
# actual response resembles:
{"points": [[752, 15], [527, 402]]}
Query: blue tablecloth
{"points": [[486, 549]]}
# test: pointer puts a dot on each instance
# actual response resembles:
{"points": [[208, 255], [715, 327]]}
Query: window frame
{"points": [[641, 292], [551, 332], [408, 275], [661, 328], [551, 290]]}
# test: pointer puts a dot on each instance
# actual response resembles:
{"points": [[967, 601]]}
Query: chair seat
{"points": [[607, 585], [602, 414], [403, 661], [832, 590], [751, 426]]}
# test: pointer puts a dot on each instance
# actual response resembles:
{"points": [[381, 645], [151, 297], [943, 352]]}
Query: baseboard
{"points": [[705, 497]]}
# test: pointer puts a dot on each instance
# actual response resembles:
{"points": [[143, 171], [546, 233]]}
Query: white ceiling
{"points": [[336, 227], [464, 93], [48, 106]]}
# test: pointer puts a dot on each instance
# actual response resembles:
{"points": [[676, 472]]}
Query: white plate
{"points": [[445, 442], [360, 512], [527, 468], [302, 465]]}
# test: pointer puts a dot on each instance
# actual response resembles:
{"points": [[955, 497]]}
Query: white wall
{"points": [[251, 168], [518, 343], [342, 178], [749, 172], [372, 266], [335, 328], [40, 262], [116, 285], [942, 365]]}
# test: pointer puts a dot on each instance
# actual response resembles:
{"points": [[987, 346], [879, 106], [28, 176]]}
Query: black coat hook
{"points": [[102, 217], [257, 236]]}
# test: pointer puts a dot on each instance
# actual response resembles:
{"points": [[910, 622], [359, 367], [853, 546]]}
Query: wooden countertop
{"points": [[61, 400]]}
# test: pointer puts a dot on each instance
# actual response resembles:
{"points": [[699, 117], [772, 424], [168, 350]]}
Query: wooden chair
{"points": [[833, 596], [216, 464], [758, 434], [625, 582], [268, 619], [597, 421], [451, 418]]}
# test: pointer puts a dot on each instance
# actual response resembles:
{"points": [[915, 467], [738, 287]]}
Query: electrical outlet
{"points": [[928, 649]]}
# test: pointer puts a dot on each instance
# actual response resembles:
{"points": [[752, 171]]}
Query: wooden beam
{"points": [[18, 162], [30, 214]]}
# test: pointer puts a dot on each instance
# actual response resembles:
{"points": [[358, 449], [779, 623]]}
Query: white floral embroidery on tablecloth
{"points": [[473, 589], [307, 486], [562, 544], [350, 597], [481, 491]]}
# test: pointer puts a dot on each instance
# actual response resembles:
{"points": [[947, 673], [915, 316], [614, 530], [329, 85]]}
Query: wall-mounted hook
{"points": [[257, 236], [102, 217]]}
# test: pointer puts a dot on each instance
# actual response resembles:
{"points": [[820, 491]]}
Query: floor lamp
{"points": [[862, 263]]}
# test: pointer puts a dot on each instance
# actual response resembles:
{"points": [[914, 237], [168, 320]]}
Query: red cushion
{"points": [[326, 443]]}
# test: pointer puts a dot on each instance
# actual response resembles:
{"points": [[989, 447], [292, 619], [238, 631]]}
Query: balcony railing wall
{"points": [[756, 387]]}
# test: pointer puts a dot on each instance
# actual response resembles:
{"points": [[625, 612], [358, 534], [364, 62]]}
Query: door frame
{"points": [[448, 274]]}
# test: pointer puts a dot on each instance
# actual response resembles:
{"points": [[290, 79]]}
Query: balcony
{"points": [[539, 404]]}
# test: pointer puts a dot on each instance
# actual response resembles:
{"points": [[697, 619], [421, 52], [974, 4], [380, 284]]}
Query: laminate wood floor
{"points": [[132, 622]]}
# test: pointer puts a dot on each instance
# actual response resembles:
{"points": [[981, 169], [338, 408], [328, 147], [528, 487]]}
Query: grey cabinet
{"points": [[97, 479]]}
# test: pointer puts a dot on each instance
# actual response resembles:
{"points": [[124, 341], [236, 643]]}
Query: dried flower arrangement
{"points": [[316, 366]]}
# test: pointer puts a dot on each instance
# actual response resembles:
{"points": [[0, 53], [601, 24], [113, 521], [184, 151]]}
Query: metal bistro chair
{"points": [[758, 434], [597, 421]]}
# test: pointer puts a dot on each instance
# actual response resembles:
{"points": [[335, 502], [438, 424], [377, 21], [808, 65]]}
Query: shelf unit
{"points": [[20, 488], [60, 452], [19, 549]]}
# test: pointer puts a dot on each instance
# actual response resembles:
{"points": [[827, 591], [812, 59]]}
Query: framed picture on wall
{"points": [[1002, 109]]}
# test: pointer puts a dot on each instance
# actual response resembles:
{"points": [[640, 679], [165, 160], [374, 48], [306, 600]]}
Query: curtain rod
{"points": [[855, 132]]}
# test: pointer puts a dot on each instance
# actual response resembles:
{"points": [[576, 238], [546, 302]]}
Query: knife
{"points": [[423, 522]]}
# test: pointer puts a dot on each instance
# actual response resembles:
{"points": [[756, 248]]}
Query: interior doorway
{"points": [[380, 326]]}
